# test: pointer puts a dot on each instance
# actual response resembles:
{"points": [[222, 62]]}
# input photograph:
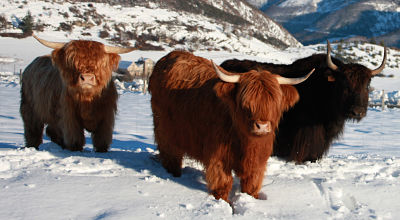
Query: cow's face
{"points": [[85, 67], [354, 81], [355, 92], [261, 100], [256, 99]]}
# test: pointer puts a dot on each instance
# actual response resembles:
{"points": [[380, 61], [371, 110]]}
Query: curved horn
{"points": [[293, 81], [118, 50], [53, 45], [382, 66], [224, 77], [329, 62]]}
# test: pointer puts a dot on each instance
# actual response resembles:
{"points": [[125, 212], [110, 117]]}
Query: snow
{"points": [[295, 3], [384, 6], [358, 179], [257, 3]]}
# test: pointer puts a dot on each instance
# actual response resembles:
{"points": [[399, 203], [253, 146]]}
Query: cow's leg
{"points": [[170, 156], [74, 137], [171, 160], [102, 136], [219, 178], [102, 140], [252, 166], [55, 134], [309, 144], [71, 124], [251, 180], [33, 126]]}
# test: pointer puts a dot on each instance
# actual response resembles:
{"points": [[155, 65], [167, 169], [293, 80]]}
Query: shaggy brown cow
{"points": [[227, 122], [71, 91]]}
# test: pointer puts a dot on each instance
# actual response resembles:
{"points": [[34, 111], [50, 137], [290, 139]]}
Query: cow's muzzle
{"points": [[87, 80], [358, 113], [262, 127]]}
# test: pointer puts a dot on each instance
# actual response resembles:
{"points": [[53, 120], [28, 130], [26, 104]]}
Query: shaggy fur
{"points": [[307, 130], [198, 115], [52, 93]]}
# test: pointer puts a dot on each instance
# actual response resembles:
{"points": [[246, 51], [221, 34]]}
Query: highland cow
{"points": [[71, 90], [227, 122], [335, 93]]}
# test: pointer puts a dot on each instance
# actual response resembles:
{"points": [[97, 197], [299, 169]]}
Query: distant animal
{"points": [[70, 90], [224, 121], [335, 93]]}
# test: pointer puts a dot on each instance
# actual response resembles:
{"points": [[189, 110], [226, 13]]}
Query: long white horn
{"points": [[118, 50], [382, 66], [293, 81], [224, 77], [53, 45], [328, 57]]}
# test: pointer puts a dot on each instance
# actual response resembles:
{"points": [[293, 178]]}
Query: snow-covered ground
{"points": [[359, 178]]}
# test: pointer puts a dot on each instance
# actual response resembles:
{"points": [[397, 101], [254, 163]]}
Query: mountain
{"points": [[313, 21], [229, 25]]}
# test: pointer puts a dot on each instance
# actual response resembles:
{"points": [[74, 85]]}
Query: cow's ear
{"points": [[113, 60], [57, 57], [290, 96], [225, 91]]}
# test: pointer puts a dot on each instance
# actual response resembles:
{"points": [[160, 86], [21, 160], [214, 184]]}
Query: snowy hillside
{"points": [[155, 25], [313, 21], [359, 178]]}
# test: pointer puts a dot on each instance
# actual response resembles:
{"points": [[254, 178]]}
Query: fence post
{"points": [[144, 80], [383, 100], [147, 69]]}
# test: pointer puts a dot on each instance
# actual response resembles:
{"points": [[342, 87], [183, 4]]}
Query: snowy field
{"points": [[359, 178]]}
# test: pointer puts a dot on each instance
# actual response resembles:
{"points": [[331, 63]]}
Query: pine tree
{"points": [[372, 41], [27, 24], [339, 48]]}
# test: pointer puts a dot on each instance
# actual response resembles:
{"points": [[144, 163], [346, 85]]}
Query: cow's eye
{"points": [[248, 114]]}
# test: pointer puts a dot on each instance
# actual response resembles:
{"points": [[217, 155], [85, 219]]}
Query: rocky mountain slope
{"points": [[229, 25], [313, 21]]}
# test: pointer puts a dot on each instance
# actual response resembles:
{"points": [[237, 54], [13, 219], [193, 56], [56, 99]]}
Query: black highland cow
{"points": [[335, 93]]}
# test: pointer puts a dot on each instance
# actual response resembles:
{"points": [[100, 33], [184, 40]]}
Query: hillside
{"points": [[228, 25], [313, 21]]}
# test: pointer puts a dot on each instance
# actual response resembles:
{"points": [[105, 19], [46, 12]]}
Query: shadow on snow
{"points": [[135, 155]]}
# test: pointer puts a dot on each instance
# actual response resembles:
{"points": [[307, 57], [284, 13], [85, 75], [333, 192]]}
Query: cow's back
{"points": [[42, 87], [185, 107], [181, 70]]}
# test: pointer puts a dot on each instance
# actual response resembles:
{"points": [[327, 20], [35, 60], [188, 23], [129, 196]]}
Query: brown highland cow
{"points": [[227, 122], [71, 90]]}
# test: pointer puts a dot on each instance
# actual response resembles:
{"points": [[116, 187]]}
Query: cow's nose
{"points": [[88, 79], [358, 113], [262, 127]]}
